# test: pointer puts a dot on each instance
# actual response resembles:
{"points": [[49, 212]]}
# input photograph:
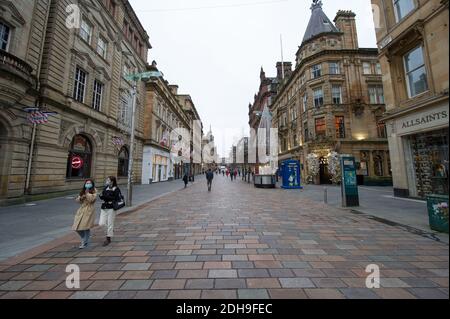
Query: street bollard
{"points": [[325, 195]]}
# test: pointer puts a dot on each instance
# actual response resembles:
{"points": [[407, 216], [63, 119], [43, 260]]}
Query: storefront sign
{"points": [[423, 120], [350, 195], [77, 162]]}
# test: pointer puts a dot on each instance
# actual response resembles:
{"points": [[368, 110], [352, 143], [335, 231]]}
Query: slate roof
{"points": [[318, 23]]}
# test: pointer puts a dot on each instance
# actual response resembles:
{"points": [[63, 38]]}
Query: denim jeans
{"points": [[85, 236]]}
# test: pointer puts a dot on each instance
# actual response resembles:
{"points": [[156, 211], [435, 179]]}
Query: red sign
{"points": [[77, 162]]}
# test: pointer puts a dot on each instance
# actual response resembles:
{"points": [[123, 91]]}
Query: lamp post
{"points": [[135, 78]]}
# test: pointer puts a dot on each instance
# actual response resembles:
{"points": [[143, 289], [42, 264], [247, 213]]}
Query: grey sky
{"points": [[215, 54]]}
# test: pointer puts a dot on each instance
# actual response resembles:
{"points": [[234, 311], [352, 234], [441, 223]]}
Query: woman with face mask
{"points": [[111, 193], [85, 217]]}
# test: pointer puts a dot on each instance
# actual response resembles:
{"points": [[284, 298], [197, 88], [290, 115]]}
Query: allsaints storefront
{"points": [[419, 144]]}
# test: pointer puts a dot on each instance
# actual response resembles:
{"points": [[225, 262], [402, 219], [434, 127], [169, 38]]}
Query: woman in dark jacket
{"points": [[110, 194]]}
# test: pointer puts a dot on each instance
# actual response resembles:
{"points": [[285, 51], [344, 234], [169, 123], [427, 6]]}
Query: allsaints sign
{"points": [[424, 120]]}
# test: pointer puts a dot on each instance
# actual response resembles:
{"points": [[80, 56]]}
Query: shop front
{"points": [[420, 141], [157, 166]]}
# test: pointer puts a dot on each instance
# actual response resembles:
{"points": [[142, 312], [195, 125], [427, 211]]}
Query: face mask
{"points": [[108, 182], [89, 186]]}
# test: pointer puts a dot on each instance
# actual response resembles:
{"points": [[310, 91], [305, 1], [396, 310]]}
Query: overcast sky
{"points": [[214, 49]]}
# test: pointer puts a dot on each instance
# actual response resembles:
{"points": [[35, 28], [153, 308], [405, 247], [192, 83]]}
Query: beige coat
{"points": [[85, 217]]}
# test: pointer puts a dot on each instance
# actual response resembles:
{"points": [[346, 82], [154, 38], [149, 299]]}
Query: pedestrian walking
{"points": [[209, 179], [185, 180], [112, 201], [85, 216]]}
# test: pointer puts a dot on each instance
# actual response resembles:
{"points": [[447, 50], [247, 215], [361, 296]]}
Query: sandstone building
{"points": [[79, 72], [413, 42], [333, 101]]}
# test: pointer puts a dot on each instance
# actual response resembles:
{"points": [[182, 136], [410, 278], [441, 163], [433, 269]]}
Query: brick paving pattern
{"points": [[237, 242]]}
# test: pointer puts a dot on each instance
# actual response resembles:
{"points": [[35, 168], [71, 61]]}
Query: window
{"points": [[79, 159], [376, 94], [318, 98], [111, 6], [381, 130], [378, 164], [416, 74], [340, 127], [335, 68], [125, 114], [124, 159], [316, 71], [80, 85], [305, 102], [303, 79], [321, 127], [97, 95], [102, 47], [336, 92], [86, 31], [367, 68], [379, 71], [5, 32], [402, 8]]}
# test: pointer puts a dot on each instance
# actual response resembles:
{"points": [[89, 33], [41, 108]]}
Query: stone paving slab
{"points": [[235, 242]]}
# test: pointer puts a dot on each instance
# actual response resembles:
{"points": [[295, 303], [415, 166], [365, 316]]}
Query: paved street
{"points": [[236, 242], [53, 218]]}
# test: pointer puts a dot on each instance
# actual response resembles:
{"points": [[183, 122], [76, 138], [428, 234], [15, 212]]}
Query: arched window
{"points": [[79, 160], [124, 159], [378, 163]]}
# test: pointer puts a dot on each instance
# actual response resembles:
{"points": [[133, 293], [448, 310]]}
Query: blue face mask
{"points": [[89, 186]]}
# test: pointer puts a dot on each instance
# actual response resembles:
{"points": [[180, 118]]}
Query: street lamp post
{"points": [[135, 78], [132, 139]]}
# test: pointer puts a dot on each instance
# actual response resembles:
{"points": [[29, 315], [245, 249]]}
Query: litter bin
{"points": [[438, 212]]}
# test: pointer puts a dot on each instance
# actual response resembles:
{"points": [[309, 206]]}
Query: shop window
{"points": [[80, 158], [416, 74], [5, 32], [124, 159]]}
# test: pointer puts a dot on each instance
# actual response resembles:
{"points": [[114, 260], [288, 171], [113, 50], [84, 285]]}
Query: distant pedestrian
{"points": [[185, 180], [209, 179], [85, 216], [112, 201]]}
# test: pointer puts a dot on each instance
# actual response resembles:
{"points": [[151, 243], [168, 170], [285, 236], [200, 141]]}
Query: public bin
{"points": [[438, 212]]}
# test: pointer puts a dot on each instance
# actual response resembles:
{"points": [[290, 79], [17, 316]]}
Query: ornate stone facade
{"points": [[413, 41], [334, 99], [79, 73]]}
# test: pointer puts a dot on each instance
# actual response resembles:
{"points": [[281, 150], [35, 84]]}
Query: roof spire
{"points": [[319, 22]]}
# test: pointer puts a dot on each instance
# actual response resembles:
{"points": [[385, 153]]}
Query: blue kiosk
{"points": [[290, 172]]}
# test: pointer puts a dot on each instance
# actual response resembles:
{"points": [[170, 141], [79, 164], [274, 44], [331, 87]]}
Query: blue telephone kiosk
{"points": [[291, 174]]}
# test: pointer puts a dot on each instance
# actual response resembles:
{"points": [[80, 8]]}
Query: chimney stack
{"points": [[287, 70]]}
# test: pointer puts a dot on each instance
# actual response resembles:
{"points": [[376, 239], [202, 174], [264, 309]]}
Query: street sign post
{"points": [[349, 185]]}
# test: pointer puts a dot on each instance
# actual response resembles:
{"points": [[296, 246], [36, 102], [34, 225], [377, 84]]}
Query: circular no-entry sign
{"points": [[77, 162]]}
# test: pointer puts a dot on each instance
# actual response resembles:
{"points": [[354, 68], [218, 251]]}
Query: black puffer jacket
{"points": [[109, 196]]}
